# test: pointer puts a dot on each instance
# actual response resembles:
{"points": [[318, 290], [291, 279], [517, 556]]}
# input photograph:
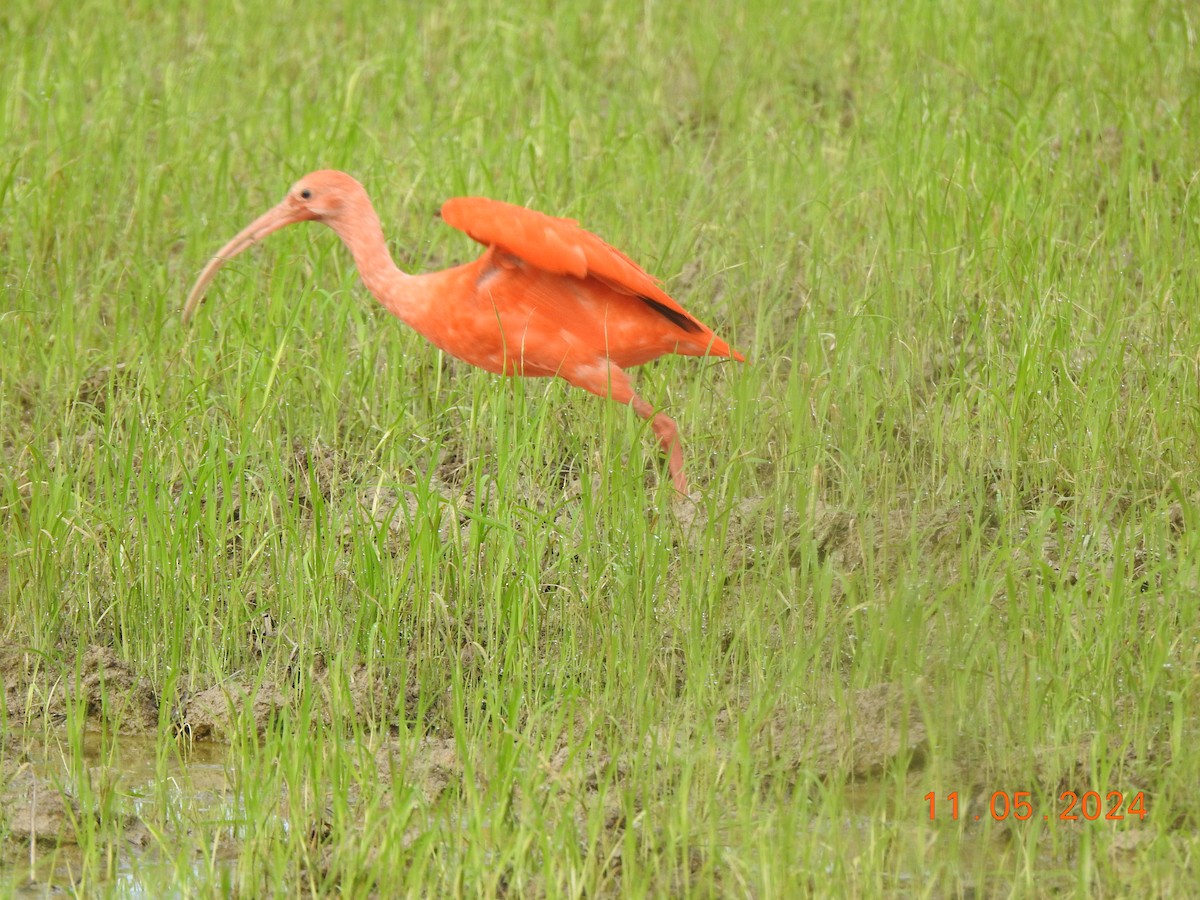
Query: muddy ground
{"points": [[860, 740], [40, 691]]}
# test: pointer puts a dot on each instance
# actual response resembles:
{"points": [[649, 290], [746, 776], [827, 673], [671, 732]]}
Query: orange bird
{"points": [[546, 298]]}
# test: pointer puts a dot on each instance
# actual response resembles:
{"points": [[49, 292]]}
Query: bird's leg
{"points": [[668, 437], [613, 383]]}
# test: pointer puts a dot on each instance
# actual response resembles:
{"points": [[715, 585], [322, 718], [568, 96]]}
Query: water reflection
{"points": [[154, 789]]}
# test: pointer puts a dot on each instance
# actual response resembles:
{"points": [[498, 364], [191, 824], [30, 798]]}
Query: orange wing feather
{"points": [[554, 245]]}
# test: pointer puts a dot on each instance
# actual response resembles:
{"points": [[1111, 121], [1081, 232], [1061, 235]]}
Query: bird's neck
{"points": [[363, 236]]}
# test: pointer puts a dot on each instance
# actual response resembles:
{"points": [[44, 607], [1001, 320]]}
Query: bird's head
{"points": [[323, 196]]}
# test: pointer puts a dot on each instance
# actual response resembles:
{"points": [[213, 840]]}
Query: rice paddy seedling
{"points": [[291, 602]]}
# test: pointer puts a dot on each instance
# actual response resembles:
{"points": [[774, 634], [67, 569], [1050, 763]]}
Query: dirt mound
{"points": [[98, 681], [36, 811], [217, 712], [875, 727], [870, 730], [42, 690], [213, 714]]}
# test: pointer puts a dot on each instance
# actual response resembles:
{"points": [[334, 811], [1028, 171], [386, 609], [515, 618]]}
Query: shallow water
{"points": [[153, 796]]}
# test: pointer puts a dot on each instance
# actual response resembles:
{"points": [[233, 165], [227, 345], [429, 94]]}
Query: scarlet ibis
{"points": [[546, 297]]}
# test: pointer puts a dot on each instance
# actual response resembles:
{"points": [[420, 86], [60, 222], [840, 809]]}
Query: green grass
{"points": [[950, 517]]}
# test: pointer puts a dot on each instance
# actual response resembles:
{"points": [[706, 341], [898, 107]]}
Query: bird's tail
{"points": [[708, 344]]}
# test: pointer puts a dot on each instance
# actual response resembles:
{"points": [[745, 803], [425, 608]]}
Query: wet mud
{"points": [[870, 734]]}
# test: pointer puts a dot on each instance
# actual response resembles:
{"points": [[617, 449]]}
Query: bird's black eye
{"points": [[306, 194]]}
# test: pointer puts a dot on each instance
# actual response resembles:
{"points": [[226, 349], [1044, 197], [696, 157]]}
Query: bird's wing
{"points": [[561, 247]]}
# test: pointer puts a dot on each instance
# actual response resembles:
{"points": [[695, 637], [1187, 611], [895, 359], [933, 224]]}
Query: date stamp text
{"points": [[1071, 807]]}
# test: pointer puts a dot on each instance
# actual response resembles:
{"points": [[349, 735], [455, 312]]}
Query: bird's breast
{"points": [[492, 317]]}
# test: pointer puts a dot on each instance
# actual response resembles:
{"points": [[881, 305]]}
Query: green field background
{"points": [[467, 640]]}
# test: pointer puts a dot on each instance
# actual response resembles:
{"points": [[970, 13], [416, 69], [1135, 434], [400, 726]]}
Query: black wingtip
{"points": [[682, 320]]}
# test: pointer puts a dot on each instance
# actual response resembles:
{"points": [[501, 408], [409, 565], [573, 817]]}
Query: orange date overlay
{"points": [[1072, 807]]}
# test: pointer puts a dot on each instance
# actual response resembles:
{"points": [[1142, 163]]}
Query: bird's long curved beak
{"points": [[286, 213]]}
